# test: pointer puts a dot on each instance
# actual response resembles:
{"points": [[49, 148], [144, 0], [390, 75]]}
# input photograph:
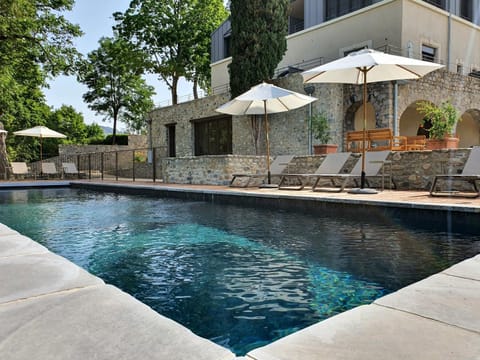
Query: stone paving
{"points": [[52, 309]]}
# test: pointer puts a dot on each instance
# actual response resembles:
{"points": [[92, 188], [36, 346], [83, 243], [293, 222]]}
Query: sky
{"points": [[96, 21]]}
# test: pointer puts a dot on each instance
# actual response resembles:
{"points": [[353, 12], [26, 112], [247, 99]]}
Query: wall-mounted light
{"points": [[309, 89]]}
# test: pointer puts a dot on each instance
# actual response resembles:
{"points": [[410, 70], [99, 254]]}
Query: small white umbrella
{"points": [[40, 132], [367, 66], [265, 99]]}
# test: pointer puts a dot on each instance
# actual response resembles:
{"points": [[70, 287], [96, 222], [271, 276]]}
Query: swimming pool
{"points": [[239, 276]]}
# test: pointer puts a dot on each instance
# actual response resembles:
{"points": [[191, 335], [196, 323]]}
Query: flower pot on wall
{"points": [[445, 143], [324, 149]]}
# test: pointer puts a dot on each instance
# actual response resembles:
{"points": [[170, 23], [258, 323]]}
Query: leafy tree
{"points": [[176, 36], [94, 133], [68, 121], [116, 87], [35, 43], [206, 16], [34, 32], [259, 30]]}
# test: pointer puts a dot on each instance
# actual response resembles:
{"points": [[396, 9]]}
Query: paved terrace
{"points": [[52, 309]]}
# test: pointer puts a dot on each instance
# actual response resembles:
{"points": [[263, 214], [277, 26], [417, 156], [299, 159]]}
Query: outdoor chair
{"points": [[20, 170], [374, 167], [375, 162], [49, 169], [276, 168], [70, 169], [329, 169], [470, 174]]}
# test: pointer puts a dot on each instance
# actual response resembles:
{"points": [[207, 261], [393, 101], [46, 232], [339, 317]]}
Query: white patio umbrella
{"points": [[40, 132], [265, 99], [367, 66]]}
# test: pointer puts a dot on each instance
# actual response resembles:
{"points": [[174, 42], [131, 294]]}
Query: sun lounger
{"points": [[470, 174], [49, 169], [276, 168], [329, 169], [375, 162], [374, 167], [20, 170], [70, 169]]}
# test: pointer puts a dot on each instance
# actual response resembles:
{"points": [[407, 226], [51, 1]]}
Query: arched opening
{"points": [[410, 120], [358, 119], [468, 129]]}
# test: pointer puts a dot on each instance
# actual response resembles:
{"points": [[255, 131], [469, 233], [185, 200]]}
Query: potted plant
{"points": [[441, 120], [321, 132]]}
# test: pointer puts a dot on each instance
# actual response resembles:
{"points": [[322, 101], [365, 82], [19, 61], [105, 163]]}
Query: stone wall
{"points": [[181, 116], [411, 170], [214, 170], [289, 131]]}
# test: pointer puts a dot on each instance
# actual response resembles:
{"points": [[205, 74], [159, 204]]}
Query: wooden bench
{"points": [[376, 140], [416, 142], [354, 140], [383, 139]]}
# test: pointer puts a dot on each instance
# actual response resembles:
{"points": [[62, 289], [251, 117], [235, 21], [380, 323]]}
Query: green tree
{"points": [[258, 43], [36, 42], [176, 36], [35, 32], [206, 16], [116, 88], [94, 133], [68, 121]]}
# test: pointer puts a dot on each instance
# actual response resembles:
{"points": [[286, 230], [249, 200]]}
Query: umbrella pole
{"points": [[362, 189], [362, 179], [269, 179]]}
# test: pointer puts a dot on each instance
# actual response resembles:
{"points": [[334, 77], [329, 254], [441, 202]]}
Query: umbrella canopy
{"points": [[265, 99], [40, 132], [367, 66], [352, 68]]}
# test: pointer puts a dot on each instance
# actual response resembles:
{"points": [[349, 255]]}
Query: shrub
{"points": [[321, 128], [443, 118]]}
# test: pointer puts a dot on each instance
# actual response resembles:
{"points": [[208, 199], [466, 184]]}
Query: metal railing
{"points": [[142, 164]]}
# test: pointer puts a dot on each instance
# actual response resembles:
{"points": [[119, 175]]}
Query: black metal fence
{"points": [[142, 164]]}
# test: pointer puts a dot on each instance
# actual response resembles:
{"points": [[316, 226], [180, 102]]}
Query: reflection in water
{"points": [[239, 276]]}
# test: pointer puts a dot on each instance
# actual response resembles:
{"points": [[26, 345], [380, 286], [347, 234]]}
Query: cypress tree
{"points": [[258, 42]]}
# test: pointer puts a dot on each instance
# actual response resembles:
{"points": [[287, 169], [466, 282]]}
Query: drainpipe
{"points": [[449, 39], [396, 130], [309, 90]]}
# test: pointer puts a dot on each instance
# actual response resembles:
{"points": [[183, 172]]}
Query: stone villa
{"points": [[320, 31]]}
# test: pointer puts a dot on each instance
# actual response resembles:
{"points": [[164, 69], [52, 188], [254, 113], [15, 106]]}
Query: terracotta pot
{"points": [[324, 149], [445, 143]]}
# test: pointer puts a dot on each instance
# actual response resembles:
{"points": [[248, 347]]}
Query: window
{"points": [[213, 136], [226, 45], [171, 140], [336, 8], [355, 47], [460, 69], [345, 53], [428, 53], [438, 3], [466, 9]]}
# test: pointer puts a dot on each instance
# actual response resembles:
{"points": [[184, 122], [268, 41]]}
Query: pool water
{"points": [[239, 276]]}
